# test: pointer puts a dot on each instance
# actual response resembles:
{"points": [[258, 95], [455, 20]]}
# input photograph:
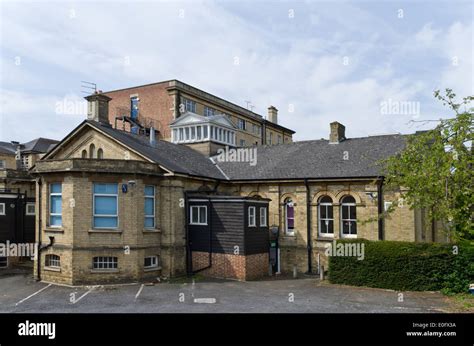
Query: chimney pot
{"points": [[338, 132]]}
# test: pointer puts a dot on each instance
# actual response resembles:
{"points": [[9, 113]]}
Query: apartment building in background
{"points": [[159, 105]]}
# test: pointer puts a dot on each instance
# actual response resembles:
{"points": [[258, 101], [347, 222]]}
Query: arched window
{"points": [[348, 217], [326, 217], [100, 153], [52, 261], [91, 151], [289, 217], [84, 154]]}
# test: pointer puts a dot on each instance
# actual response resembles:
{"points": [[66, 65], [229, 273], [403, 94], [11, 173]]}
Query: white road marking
{"points": [[205, 300], [139, 291], [85, 294], [31, 295]]}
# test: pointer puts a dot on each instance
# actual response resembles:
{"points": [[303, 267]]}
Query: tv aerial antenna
{"points": [[88, 87]]}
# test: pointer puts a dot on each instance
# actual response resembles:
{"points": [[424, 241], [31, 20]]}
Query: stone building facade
{"points": [[113, 204]]}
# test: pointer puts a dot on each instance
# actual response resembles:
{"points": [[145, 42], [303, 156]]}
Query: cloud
{"points": [[327, 63]]}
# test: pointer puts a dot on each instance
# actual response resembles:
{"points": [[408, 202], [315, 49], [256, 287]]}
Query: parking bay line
{"points": [[85, 294], [31, 295], [139, 291]]}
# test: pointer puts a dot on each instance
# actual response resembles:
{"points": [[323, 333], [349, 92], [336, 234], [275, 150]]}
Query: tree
{"points": [[436, 169]]}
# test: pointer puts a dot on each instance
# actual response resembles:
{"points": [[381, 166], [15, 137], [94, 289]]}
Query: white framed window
{"points": [[242, 142], [387, 205], [105, 263], [30, 208], [2, 164], [198, 215], [326, 217], [348, 217], [2, 208], [149, 206], [55, 205], [105, 205], [3, 262], [52, 261], [289, 217], [25, 161], [279, 141], [190, 105], [241, 124], [263, 216], [151, 262], [252, 217]]}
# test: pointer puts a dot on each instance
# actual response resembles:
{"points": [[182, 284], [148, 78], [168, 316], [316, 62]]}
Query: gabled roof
{"points": [[172, 157], [318, 159], [190, 118]]}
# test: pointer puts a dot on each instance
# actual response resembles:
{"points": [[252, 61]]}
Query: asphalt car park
{"points": [[20, 293]]}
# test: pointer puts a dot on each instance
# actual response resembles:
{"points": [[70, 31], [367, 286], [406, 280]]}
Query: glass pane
{"points": [[345, 212], [108, 222], [149, 191], [323, 211], [330, 212], [56, 205], [290, 212], [291, 223], [193, 133], [331, 226], [105, 205], [105, 188], [202, 215], [56, 188], [199, 132], [194, 215], [353, 227], [352, 212], [149, 207], [345, 227], [55, 220], [149, 222], [204, 132], [324, 226]]}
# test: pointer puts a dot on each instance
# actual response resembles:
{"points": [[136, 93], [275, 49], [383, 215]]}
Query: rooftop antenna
{"points": [[248, 103], [88, 87]]}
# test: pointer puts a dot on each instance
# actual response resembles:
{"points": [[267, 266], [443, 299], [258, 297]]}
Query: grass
{"points": [[462, 302]]}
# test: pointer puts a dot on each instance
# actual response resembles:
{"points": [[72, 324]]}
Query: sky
{"points": [[371, 65]]}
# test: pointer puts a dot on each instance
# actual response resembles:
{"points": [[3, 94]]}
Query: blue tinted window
{"points": [[55, 205], [105, 222], [105, 205], [56, 188], [103, 188], [149, 191]]}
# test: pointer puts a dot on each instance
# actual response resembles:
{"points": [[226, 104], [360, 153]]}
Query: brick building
{"points": [[115, 205]]}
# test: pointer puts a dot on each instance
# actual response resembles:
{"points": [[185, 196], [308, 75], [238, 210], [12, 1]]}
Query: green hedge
{"points": [[406, 266]]}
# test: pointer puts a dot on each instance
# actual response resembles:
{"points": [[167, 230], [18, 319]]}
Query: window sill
{"points": [[325, 238], [105, 230], [104, 271], [52, 269], [53, 230], [151, 269], [152, 230]]}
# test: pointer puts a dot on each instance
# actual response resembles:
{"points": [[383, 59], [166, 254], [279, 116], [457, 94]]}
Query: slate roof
{"points": [[177, 158], [38, 145], [318, 159], [314, 159], [7, 148]]}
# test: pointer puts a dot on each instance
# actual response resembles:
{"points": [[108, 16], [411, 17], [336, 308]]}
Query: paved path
{"points": [[20, 293]]}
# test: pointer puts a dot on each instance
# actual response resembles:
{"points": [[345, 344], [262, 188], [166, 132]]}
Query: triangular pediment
{"points": [[190, 118]]}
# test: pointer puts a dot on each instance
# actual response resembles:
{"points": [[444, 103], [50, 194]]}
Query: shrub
{"points": [[406, 266]]}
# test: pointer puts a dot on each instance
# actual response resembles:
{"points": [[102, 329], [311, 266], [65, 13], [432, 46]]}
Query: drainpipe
{"points": [[38, 257], [380, 208], [308, 225]]}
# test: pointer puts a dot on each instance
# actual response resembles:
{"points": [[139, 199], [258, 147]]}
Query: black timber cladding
{"points": [[227, 229]]}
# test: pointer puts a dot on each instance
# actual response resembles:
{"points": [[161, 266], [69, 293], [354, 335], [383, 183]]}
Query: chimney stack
{"points": [[98, 108], [338, 132], [273, 114], [152, 136]]}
